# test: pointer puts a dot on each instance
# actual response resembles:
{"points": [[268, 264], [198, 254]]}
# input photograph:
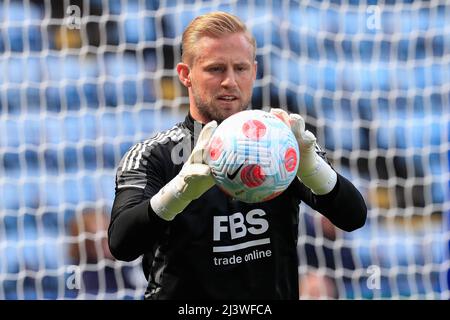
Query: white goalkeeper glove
{"points": [[192, 181], [313, 171]]}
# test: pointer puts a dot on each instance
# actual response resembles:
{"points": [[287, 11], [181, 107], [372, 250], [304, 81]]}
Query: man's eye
{"points": [[215, 69]]}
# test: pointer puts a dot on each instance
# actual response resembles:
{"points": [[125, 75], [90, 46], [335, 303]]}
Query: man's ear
{"points": [[183, 74]]}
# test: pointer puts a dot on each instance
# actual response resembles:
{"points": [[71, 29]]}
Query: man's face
{"points": [[222, 76]]}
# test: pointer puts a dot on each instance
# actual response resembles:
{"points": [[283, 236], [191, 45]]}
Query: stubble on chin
{"points": [[214, 112]]}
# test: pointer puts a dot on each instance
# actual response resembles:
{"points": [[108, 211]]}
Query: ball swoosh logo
{"points": [[231, 176]]}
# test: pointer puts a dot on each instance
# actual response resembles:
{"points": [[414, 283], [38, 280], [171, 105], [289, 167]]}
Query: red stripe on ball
{"points": [[216, 148], [254, 129], [252, 176], [290, 159]]}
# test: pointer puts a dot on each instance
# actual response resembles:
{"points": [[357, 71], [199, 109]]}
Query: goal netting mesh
{"points": [[82, 81]]}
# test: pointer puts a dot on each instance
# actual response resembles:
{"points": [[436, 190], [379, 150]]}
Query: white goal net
{"points": [[82, 81]]}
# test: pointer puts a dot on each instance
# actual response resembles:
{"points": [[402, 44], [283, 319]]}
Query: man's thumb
{"points": [[202, 142]]}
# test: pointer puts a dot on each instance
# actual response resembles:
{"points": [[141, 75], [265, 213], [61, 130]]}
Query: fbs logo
{"points": [[237, 225]]}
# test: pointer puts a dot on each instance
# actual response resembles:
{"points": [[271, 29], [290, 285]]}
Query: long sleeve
{"points": [[134, 227], [344, 206]]}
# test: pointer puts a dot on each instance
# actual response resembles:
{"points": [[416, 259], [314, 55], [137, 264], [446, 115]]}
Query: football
{"points": [[253, 156]]}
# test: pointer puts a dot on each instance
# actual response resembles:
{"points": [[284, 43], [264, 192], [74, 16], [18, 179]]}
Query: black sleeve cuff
{"points": [[344, 205]]}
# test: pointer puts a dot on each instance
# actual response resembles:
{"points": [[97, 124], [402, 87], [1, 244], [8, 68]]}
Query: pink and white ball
{"points": [[253, 156]]}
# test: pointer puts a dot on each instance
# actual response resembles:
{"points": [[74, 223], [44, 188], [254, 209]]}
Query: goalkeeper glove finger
{"points": [[281, 114], [313, 171], [192, 181]]}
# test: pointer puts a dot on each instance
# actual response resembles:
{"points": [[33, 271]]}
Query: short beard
{"points": [[209, 111]]}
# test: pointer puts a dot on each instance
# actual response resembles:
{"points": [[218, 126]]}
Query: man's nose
{"points": [[230, 79]]}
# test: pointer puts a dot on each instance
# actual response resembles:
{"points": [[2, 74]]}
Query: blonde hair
{"points": [[213, 24]]}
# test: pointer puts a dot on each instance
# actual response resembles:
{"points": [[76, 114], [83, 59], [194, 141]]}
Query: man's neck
{"points": [[197, 116]]}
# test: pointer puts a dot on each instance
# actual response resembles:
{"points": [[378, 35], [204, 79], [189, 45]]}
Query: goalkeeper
{"points": [[197, 242]]}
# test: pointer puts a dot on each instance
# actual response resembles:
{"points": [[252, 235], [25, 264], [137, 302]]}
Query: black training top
{"points": [[218, 247]]}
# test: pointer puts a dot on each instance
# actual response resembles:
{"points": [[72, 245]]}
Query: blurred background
{"points": [[82, 81]]}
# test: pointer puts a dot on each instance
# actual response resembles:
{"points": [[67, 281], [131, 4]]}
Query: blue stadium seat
{"points": [[109, 155], [77, 128], [309, 19], [122, 85], [177, 17], [62, 135], [342, 130], [19, 37], [175, 23], [70, 191], [302, 32], [53, 129], [403, 131], [50, 190], [21, 69], [33, 130], [150, 121], [144, 124], [9, 134], [310, 75], [25, 254], [26, 132], [62, 74], [9, 192], [109, 126], [10, 263], [17, 71], [313, 20], [118, 7], [126, 125], [138, 28], [414, 132], [89, 187], [263, 22], [352, 22], [136, 24], [107, 185]]}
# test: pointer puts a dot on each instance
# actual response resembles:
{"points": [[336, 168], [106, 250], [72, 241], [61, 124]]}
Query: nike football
{"points": [[253, 156]]}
